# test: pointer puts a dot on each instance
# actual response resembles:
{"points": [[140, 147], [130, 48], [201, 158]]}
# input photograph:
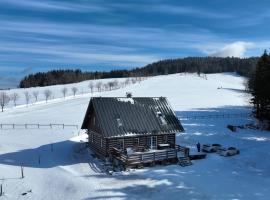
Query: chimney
{"points": [[128, 94]]}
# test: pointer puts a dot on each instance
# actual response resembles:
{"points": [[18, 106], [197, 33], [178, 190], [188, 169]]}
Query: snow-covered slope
{"points": [[57, 166], [177, 87]]}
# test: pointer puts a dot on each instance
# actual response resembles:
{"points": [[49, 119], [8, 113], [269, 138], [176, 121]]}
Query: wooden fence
{"points": [[37, 126], [216, 116]]}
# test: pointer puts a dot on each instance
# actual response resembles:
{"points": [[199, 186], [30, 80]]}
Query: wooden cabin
{"points": [[136, 129]]}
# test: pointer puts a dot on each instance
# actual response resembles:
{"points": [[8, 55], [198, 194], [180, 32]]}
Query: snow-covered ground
{"points": [[57, 91], [57, 166]]}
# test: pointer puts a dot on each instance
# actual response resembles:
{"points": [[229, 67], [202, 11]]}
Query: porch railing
{"points": [[144, 157], [182, 149]]}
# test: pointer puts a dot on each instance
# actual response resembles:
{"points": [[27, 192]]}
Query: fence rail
{"points": [[144, 157], [37, 126], [216, 116]]}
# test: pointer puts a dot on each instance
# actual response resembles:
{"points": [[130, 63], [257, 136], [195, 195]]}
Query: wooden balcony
{"points": [[150, 156]]}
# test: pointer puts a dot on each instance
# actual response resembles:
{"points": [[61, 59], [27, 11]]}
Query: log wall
{"points": [[132, 141], [97, 143]]}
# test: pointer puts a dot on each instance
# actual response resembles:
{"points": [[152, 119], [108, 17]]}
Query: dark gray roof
{"points": [[121, 116]]}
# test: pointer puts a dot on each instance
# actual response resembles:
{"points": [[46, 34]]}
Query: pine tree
{"points": [[259, 85]]}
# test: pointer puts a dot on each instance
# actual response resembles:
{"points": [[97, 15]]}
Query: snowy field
{"points": [[57, 166]]}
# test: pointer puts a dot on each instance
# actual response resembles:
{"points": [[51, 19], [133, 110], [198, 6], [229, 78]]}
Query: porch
{"points": [[142, 156]]}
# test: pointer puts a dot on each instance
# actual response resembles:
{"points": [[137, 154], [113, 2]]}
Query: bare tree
{"points": [[122, 84], [106, 87], [64, 91], [133, 81], [35, 94], [47, 93], [91, 86], [27, 96], [99, 86], [115, 84], [111, 84], [127, 81], [74, 90], [4, 100], [14, 97]]}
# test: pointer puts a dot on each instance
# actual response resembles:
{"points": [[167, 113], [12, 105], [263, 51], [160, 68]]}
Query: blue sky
{"points": [[39, 35]]}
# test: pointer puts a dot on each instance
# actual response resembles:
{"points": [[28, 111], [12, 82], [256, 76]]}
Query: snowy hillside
{"points": [[176, 87], [57, 166]]}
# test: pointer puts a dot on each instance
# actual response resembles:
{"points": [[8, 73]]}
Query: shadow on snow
{"points": [[49, 155]]}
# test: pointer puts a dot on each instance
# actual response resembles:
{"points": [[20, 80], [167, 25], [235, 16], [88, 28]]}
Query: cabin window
{"points": [[152, 142], [165, 139], [136, 141], [121, 143]]}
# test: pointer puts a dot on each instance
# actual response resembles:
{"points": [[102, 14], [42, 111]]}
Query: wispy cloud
{"points": [[190, 11], [49, 5], [88, 43], [68, 54]]}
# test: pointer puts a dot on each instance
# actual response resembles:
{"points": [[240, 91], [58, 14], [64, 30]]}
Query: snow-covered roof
{"points": [[138, 116]]}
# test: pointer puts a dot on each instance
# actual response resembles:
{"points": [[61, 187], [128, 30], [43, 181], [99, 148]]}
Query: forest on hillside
{"points": [[242, 66]]}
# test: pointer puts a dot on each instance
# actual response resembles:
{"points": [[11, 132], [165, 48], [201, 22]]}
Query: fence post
{"points": [[13, 126], [1, 126], [38, 126], [25, 126], [1, 190], [63, 126], [22, 171], [51, 126]]}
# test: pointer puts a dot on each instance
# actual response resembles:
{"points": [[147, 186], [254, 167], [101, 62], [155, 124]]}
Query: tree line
{"points": [[207, 65], [57, 77], [243, 66]]}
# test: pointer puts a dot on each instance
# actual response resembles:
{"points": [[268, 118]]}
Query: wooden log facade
{"points": [[104, 146]]}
